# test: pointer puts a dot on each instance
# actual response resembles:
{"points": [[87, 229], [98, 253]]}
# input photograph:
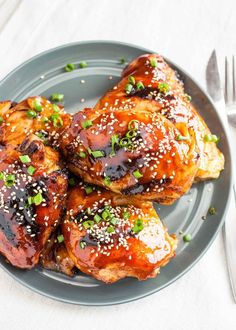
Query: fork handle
{"points": [[232, 118], [229, 235]]}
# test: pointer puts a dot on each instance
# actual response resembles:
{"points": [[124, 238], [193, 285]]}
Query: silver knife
{"points": [[215, 90]]}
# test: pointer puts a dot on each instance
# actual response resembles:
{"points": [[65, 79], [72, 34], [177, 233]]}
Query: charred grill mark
{"points": [[6, 229], [139, 188], [89, 240], [29, 147]]}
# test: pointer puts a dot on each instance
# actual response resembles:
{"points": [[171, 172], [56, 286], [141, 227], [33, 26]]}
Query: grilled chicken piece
{"points": [[149, 83], [55, 256], [109, 238], [135, 153], [34, 115], [32, 197]]}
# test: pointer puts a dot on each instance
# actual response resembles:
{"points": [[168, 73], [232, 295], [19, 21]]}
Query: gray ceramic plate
{"points": [[43, 75]]}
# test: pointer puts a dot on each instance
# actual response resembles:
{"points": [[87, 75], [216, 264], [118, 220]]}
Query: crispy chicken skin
{"points": [[109, 238], [161, 91], [55, 256], [134, 153], [35, 115], [32, 197]]}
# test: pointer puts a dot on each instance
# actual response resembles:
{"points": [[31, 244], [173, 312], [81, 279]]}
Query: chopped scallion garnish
{"points": [[57, 97], [37, 105], [131, 80], [25, 159], [139, 85], [31, 114], [31, 170], [163, 87], [137, 174], [138, 226], [69, 67], [187, 238], [86, 124], [211, 138], [60, 238], [83, 64], [153, 62]]}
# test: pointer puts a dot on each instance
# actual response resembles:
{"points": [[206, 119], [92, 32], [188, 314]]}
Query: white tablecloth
{"points": [[185, 31]]}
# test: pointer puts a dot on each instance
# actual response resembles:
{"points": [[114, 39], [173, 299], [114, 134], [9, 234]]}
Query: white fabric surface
{"points": [[185, 31]]}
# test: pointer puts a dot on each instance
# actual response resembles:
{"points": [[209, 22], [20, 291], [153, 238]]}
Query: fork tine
{"points": [[226, 80], [234, 74]]}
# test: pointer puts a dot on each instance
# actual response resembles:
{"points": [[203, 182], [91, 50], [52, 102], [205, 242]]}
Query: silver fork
{"points": [[230, 89], [229, 229]]}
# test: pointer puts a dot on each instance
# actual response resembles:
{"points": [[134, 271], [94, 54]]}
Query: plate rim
{"points": [[229, 160]]}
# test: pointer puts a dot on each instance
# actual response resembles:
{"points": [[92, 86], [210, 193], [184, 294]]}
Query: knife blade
{"points": [[215, 90]]}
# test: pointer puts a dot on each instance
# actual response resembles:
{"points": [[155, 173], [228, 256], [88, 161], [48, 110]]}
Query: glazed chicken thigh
{"points": [[149, 83], [35, 115], [134, 153], [109, 238], [32, 196]]}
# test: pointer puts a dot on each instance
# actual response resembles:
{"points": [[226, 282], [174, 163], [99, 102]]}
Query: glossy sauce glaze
{"points": [[132, 153], [155, 87], [35, 115], [110, 236], [26, 222]]}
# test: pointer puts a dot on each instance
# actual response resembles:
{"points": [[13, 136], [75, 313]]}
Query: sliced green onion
{"points": [[10, 180], [89, 210], [56, 119], [126, 215], [2, 176], [130, 134], [87, 124], [31, 114], [97, 218], [133, 124], [122, 60], [57, 97], [1, 120], [138, 226], [55, 107], [83, 64], [128, 88], [139, 85], [88, 189], [31, 170], [37, 106], [45, 120], [163, 87], [107, 181], [97, 153], [88, 224], [114, 221], [60, 238], [82, 244], [25, 159], [131, 80], [153, 62], [212, 210], [137, 174], [105, 214], [72, 182], [110, 229], [188, 97], [114, 142], [69, 67], [82, 154], [187, 237], [125, 142], [38, 199], [211, 138], [181, 138]]}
